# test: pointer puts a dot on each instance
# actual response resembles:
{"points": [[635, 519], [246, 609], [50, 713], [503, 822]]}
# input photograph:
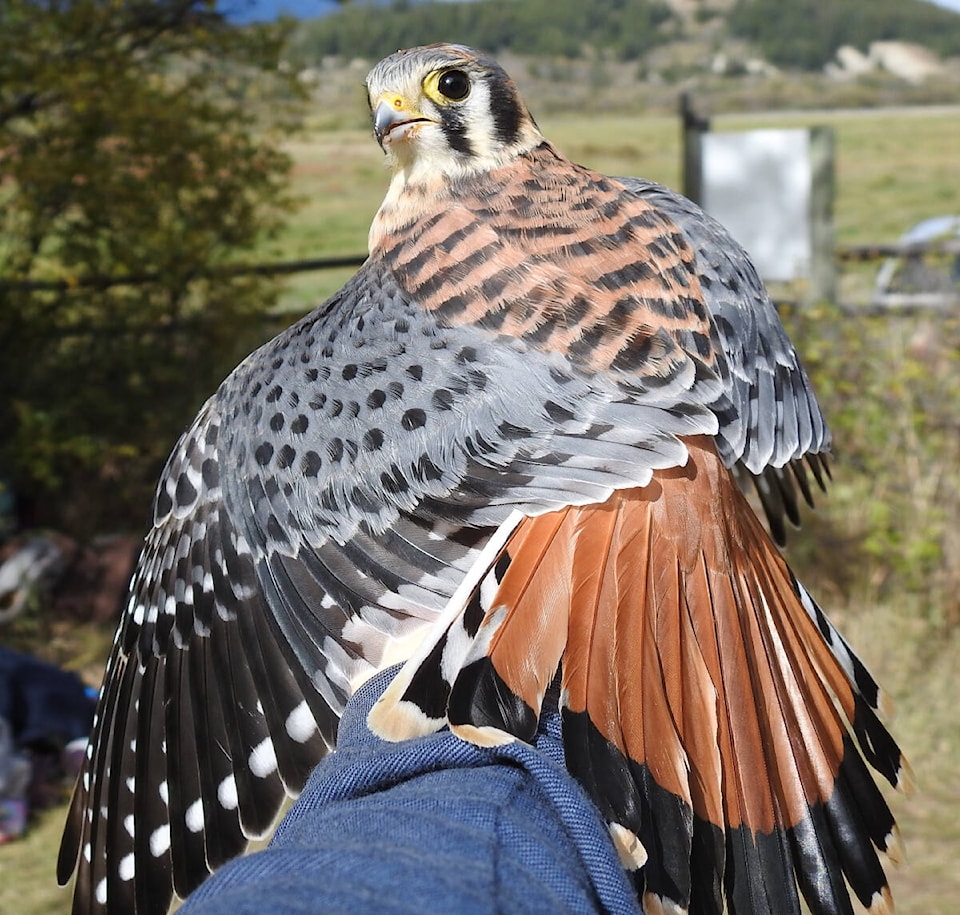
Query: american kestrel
{"points": [[504, 452]]}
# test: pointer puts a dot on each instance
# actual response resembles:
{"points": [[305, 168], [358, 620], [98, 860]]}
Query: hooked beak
{"points": [[392, 115]]}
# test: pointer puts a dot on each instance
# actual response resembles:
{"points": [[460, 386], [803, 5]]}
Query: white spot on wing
{"points": [[401, 720], [227, 793], [263, 759], [194, 816], [101, 892], [894, 847], [629, 847], [160, 840], [482, 736], [300, 724], [126, 867], [488, 590]]}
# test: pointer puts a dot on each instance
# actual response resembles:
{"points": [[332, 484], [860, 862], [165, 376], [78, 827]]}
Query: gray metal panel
{"points": [[758, 184]]}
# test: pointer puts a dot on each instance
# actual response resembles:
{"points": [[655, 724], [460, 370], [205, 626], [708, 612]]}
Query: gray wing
{"points": [[325, 504], [776, 430]]}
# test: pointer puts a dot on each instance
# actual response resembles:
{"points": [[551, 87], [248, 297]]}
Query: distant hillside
{"points": [[806, 34], [551, 28], [799, 34]]}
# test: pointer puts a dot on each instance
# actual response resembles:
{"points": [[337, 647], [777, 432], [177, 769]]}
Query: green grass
{"points": [[339, 179], [893, 169], [916, 663], [27, 869]]}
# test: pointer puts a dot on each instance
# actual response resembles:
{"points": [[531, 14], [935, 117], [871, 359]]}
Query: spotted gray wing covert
{"points": [[326, 503], [765, 379]]}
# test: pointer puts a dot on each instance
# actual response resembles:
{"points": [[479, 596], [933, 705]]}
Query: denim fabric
{"points": [[430, 825]]}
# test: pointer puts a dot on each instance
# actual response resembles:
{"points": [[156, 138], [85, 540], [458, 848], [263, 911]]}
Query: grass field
{"points": [[894, 168]]}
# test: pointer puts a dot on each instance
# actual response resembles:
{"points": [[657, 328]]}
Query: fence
{"points": [[774, 190], [843, 254], [230, 270]]}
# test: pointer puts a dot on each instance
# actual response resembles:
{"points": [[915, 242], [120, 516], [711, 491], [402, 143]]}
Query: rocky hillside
{"points": [[637, 55]]}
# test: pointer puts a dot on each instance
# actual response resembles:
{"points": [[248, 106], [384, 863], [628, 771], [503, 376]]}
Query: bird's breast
{"points": [[551, 253]]}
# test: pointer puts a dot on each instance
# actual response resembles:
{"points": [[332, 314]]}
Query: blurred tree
{"points": [[137, 138], [805, 34], [624, 29]]}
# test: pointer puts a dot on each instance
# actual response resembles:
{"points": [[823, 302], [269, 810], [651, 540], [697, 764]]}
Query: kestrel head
{"points": [[447, 110]]}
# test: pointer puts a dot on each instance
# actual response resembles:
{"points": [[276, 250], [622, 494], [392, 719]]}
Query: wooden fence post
{"points": [[694, 127], [823, 266]]}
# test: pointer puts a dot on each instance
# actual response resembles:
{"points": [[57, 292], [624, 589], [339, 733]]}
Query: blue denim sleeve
{"points": [[430, 825]]}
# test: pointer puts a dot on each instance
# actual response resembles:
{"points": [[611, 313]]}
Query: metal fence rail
{"points": [[855, 253], [143, 279], [843, 254]]}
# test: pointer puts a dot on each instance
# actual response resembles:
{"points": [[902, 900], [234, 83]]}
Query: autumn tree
{"points": [[139, 140]]}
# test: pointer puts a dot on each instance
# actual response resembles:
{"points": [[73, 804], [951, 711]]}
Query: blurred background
{"points": [[180, 179]]}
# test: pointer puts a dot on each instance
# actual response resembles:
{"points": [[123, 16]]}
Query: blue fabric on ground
{"points": [[45, 706], [430, 825]]}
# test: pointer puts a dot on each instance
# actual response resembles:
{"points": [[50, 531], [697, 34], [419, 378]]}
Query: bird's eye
{"points": [[454, 85]]}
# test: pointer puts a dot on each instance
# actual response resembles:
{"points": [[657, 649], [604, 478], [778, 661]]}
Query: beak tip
{"points": [[385, 116]]}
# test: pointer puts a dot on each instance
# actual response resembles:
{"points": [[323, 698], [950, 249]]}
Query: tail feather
{"points": [[515, 654], [719, 721], [633, 766], [758, 865]]}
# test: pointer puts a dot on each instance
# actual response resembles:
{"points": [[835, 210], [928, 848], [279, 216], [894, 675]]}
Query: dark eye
{"points": [[454, 85]]}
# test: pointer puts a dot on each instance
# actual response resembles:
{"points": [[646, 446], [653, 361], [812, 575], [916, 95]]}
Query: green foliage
{"points": [[805, 34], [130, 145], [890, 387], [562, 28]]}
